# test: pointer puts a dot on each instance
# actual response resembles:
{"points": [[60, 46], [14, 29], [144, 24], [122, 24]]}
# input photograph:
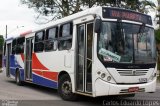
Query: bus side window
{"points": [[51, 39], [20, 45], [39, 44], [14, 42], [65, 36]]}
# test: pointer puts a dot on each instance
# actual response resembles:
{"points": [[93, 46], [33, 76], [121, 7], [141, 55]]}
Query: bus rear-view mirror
{"points": [[98, 23]]}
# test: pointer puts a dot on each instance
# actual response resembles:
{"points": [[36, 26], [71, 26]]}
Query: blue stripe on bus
{"points": [[44, 82], [36, 79], [13, 65], [22, 74], [13, 71], [13, 62]]}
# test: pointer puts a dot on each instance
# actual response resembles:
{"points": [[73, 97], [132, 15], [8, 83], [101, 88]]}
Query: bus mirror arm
{"points": [[97, 25]]}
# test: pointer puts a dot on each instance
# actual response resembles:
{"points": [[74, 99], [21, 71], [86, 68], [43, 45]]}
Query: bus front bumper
{"points": [[103, 88]]}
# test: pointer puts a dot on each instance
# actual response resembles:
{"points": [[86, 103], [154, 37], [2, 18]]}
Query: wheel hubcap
{"points": [[66, 88]]}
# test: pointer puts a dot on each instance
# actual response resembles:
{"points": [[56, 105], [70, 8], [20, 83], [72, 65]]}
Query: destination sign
{"points": [[115, 13]]}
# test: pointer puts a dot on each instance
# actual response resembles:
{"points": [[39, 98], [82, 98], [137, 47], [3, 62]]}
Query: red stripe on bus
{"points": [[37, 72], [22, 56], [47, 74], [25, 33], [51, 75], [36, 64]]}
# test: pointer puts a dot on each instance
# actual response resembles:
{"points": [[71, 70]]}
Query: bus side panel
{"points": [[40, 80], [22, 74], [13, 65], [16, 61], [41, 74]]}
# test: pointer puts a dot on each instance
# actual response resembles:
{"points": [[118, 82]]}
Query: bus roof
{"points": [[25, 33], [90, 11], [9, 38]]}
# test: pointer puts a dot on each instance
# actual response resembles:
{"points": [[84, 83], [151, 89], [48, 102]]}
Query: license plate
{"points": [[133, 89], [142, 79]]}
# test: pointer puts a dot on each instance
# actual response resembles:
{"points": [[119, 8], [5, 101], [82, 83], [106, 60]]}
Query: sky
{"points": [[19, 17], [16, 16]]}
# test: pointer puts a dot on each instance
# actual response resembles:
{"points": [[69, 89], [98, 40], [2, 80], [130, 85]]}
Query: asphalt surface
{"points": [[34, 95]]}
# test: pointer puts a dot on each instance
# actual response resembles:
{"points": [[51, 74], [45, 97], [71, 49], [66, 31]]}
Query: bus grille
{"points": [[132, 72]]}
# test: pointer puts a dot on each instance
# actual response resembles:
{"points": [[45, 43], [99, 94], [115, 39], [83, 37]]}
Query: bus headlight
{"points": [[105, 76], [108, 78]]}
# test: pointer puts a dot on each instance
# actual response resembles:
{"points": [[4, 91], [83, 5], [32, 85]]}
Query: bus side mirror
{"points": [[97, 25]]}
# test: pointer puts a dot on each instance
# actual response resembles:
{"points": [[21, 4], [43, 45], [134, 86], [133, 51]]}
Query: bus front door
{"points": [[8, 60], [28, 59], [84, 58]]}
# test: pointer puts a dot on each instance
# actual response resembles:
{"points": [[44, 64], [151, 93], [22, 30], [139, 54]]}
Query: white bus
{"points": [[97, 52]]}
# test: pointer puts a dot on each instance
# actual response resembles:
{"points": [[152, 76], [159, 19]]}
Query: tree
{"points": [[1, 49], [55, 9], [157, 32], [158, 15], [157, 35], [1, 43]]}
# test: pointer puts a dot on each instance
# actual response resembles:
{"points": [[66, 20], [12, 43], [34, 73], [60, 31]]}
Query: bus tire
{"points": [[65, 88], [18, 79]]}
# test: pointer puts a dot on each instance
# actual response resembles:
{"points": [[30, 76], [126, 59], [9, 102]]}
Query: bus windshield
{"points": [[126, 43]]}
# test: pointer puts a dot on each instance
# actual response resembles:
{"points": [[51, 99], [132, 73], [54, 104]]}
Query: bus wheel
{"points": [[18, 80], [65, 88]]}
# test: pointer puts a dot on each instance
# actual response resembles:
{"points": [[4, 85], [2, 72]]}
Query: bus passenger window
{"points": [[51, 39], [65, 37], [39, 44], [65, 44], [14, 46], [66, 30], [20, 45]]}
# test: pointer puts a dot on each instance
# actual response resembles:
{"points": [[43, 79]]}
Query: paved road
{"points": [[33, 95]]}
